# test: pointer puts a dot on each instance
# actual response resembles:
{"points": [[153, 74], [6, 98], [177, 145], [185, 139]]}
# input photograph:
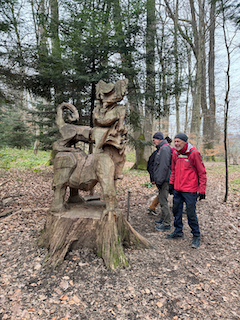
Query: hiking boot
{"points": [[195, 242], [160, 221], [151, 211], [161, 227], [175, 235]]}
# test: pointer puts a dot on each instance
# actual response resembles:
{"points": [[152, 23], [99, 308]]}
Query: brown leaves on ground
{"points": [[169, 281]]}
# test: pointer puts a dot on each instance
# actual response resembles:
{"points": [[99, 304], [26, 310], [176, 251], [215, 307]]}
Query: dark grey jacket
{"points": [[150, 165], [162, 163]]}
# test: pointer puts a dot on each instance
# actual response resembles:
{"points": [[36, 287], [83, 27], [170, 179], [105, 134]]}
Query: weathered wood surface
{"points": [[81, 226], [78, 223]]}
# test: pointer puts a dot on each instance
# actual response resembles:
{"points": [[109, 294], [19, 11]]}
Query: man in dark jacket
{"points": [[161, 173], [187, 183], [150, 165]]}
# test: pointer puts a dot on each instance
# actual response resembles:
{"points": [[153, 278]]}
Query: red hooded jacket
{"points": [[188, 171]]}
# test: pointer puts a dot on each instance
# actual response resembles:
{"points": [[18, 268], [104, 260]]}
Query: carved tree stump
{"points": [[82, 227]]}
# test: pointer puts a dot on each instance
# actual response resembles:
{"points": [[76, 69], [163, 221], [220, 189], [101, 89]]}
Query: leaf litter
{"points": [[169, 281]]}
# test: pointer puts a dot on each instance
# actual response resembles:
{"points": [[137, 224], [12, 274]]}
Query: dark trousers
{"points": [[190, 198], [163, 200]]}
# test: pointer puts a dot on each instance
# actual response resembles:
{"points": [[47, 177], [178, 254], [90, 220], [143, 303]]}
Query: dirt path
{"points": [[169, 281]]}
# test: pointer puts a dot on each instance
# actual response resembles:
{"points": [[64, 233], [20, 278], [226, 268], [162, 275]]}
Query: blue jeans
{"points": [[190, 198]]}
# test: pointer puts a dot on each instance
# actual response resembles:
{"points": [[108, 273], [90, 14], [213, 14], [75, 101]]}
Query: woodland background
{"points": [[53, 51]]}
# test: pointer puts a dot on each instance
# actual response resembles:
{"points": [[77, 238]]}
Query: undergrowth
{"points": [[23, 159]]}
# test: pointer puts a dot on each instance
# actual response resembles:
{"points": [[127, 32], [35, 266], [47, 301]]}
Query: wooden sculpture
{"points": [[94, 224]]}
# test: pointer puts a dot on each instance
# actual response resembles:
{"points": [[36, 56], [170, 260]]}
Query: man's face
{"points": [[156, 141], [179, 144]]}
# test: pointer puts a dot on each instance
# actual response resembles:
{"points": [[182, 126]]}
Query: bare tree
{"points": [[135, 105], [163, 107], [196, 39], [209, 119], [176, 75], [226, 102], [150, 76]]}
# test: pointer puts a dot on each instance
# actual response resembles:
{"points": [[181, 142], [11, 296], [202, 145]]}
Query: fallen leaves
{"points": [[63, 298], [64, 284], [159, 304], [170, 281], [76, 299]]}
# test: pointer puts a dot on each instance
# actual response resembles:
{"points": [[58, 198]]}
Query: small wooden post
{"points": [[128, 204]]}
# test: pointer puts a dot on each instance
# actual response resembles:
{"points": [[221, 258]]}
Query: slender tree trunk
{"points": [[186, 125], [40, 30], [150, 77], [196, 118], [205, 110], [209, 113], [176, 76], [164, 113], [56, 51], [226, 104], [211, 78], [133, 86]]}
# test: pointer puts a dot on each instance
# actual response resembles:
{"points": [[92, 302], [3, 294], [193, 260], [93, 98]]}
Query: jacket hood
{"points": [[189, 147], [186, 149], [161, 144]]}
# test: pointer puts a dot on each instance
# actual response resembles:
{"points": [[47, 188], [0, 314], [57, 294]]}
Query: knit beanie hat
{"points": [[181, 136], [158, 135]]}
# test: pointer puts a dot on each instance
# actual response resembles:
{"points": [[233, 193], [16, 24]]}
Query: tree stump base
{"points": [[82, 226]]}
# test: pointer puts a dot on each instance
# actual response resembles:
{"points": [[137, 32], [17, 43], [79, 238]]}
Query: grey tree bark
{"points": [[150, 77], [209, 119], [226, 104], [176, 76], [198, 27], [135, 107], [163, 94]]}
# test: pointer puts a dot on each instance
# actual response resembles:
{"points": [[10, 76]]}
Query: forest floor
{"points": [[169, 281]]}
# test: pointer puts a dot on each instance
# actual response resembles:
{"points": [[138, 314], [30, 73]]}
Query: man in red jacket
{"points": [[187, 184]]}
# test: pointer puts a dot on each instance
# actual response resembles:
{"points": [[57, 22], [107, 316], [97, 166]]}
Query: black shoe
{"points": [[174, 235], [151, 211], [161, 227], [195, 242], [160, 221]]}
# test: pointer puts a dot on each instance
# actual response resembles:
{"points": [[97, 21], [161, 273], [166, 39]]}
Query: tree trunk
{"points": [[81, 226], [163, 96], [150, 78], [58, 95], [176, 74], [196, 117], [186, 121], [130, 72], [211, 78], [226, 104]]}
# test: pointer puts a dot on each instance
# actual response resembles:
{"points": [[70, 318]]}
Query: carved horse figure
{"points": [[80, 171], [72, 167]]}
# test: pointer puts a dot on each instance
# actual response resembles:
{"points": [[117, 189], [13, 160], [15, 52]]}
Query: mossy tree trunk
{"points": [[141, 159], [70, 230]]}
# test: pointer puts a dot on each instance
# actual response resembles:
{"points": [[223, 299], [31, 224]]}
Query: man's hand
{"points": [[171, 188], [201, 196]]}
